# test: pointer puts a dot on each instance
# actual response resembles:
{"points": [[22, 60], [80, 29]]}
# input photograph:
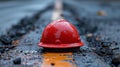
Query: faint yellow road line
{"points": [[57, 10], [52, 59]]}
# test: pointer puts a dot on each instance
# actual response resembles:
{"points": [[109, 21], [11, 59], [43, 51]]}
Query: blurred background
{"points": [[11, 11]]}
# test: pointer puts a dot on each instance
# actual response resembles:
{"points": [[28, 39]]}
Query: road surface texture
{"points": [[22, 23]]}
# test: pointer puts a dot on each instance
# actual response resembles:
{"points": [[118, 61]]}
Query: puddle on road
{"points": [[52, 59]]}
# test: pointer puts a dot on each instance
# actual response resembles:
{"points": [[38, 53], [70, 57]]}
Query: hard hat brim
{"points": [[72, 45]]}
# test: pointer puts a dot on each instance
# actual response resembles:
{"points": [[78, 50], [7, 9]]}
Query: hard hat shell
{"points": [[60, 34]]}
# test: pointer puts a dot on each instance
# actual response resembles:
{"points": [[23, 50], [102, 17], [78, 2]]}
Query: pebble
{"points": [[101, 13], [17, 61], [5, 39], [89, 35], [116, 59], [15, 42], [106, 44], [52, 64]]}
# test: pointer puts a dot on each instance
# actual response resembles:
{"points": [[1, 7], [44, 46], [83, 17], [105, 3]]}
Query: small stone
{"points": [[90, 39], [35, 63], [17, 61], [97, 38], [116, 59], [37, 31], [2, 50], [5, 39], [93, 48], [26, 52], [106, 44], [15, 42], [73, 59], [52, 64], [101, 13], [89, 35]]}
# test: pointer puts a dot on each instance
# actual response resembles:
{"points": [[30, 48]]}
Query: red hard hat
{"points": [[60, 34]]}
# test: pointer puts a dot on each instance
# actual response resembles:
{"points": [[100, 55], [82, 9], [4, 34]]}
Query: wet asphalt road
{"points": [[12, 11], [99, 33]]}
